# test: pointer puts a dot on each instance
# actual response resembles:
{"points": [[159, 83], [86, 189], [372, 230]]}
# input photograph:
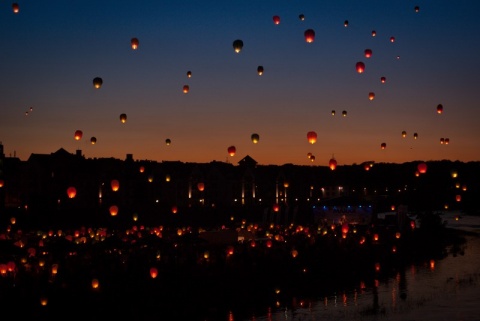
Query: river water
{"points": [[446, 289]]}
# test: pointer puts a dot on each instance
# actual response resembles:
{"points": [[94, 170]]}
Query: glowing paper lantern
{"points": [[95, 283], [2, 182], [309, 35], [383, 80], [78, 135], [312, 137], [255, 138], [276, 20], [238, 45], [368, 53], [134, 43], [15, 7], [168, 142], [404, 134], [174, 209], [231, 150], [371, 95], [360, 67], [115, 184], [189, 74], [186, 89], [71, 192], [97, 82], [260, 70], [392, 39], [383, 145], [439, 108], [422, 168], [332, 164], [153, 272], [301, 17], [93, 140], [113, 210], [201, 187]]}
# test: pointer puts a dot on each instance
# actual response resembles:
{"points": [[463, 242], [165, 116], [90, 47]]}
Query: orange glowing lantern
{"points": [[93, 140], [78, 135], [174, 209], [360, 67], [344, 113], [447, 141], [374, 33], [95, 283], [71, 192], [312, 137], [134, 43], [168, 141], [238, 45], [153, 272], [332, 164], [345, 228], [345, 23], [404, 134], [2, 182], [231, 150], [113, 210], [371, 95], [97, 82], [141, 169], [115, 184], [123, 118], [294, 253], [392, 39], [439, 109], [417, 9], [422, 168], [309, 35], [301, 17], [268, 243], [189, 74], [255, 138], [186, 89], [366, 167], [383, 80], [383, 145], [458, 198], [276, 20], [260, 70], [230, 250], [415, 135], [276, 207], [368, 53], [375, 237], [398, 235], [333, 112], [43, 301], [15, 7], [442, 141], [201, 187]]}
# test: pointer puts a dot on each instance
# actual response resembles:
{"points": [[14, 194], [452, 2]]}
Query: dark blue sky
{"points": [[52, 50]]}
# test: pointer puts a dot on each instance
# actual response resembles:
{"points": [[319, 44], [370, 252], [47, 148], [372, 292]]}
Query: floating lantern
{"points": [[134, 43], [309, 35], [71, 192]]}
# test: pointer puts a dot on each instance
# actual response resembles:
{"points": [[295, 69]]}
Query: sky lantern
{"points": [[276, 207], [71, 192], [360, 67], [333, 112], [458, 198], [141, 169], [168, 141], [186, 89], [123, 118], [201, 186], [309, 35], [439, 108], [374, 33], [238, 45], [231, 150], [422, 167], [332, 164], [134, 43], [447, 141], [115, 184], [260, 70], [255, 138], [345, 23], [392, 39], [312, 137], [276, 20], [153, 272], [95, 283], [312, 158], [309, 155], [371, 95], [368, 53], [174, 209], [345, 228], [417, 9], [301, 17], [415, 135], [344, 113], [442, 141], [78, 135], [383, 80], [383, 145], [93, 140], [366, 166], [15, 7], [2, 182], [404, 134], [97, 82], [113, 210], [189, 74]]}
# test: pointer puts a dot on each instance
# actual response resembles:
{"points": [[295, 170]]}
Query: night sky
{"points": [[52, 50]]}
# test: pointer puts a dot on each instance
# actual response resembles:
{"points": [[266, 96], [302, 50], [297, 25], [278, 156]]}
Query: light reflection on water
{"points": [[447, 289]]}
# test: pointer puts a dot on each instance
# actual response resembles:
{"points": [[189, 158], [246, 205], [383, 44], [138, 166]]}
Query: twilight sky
{"points": [[52, 50]]}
